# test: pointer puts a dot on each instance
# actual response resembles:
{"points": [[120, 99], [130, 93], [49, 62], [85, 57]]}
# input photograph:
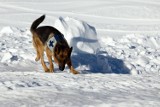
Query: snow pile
{"points": [[140, 53], [83, 38], [79, 34]]}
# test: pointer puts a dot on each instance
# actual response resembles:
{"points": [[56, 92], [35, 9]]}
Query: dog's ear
{"points": [[70, 51]]}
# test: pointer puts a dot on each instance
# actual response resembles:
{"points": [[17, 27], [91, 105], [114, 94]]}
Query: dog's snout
{"points": [[61, 68]]}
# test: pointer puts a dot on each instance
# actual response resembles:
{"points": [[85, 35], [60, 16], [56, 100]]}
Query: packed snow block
{"points": [[80, 35], [87, 55], [83, 38]]}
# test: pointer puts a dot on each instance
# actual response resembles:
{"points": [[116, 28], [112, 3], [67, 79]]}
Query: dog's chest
{"points": [[51, 43]]}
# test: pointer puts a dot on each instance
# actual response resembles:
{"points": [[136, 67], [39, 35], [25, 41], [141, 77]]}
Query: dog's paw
{"points": [[51, 70], [37, 59], [75, 72], [46, 70]]}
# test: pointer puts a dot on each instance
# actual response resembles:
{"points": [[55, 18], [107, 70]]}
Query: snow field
{"points": [[116, 49], [80, 90], [24, 78]]}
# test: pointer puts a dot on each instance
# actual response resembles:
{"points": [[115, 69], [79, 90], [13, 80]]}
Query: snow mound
{"points": [[79, 34], [83, 38]]}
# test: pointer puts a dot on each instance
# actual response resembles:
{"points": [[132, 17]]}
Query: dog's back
{"points": [[43, 32]]}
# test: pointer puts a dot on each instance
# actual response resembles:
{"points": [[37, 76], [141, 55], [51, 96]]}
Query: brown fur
{"points": [[61, 52]]}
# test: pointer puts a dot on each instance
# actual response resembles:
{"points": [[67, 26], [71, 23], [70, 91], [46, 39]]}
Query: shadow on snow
{"points": [[97, 63]]}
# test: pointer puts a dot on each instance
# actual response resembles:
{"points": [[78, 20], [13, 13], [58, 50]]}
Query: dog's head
{"points": [[62, 55]]}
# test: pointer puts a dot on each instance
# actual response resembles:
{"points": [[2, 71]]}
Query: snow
{"points": [[116, 49], [41, 89], [79, 34]]}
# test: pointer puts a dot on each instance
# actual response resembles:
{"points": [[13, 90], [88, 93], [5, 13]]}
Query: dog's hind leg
{"points": [[49, 56], [40, 53], [38, 56], [71, 67], [36, 48]]}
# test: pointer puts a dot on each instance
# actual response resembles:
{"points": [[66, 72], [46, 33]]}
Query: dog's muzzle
{"points": [[61, 68]]}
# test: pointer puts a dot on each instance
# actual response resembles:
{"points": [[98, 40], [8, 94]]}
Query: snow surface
{"points": [[116, 49]]}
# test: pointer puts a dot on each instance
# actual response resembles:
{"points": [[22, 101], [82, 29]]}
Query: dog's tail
{"points": [[36, 23]]}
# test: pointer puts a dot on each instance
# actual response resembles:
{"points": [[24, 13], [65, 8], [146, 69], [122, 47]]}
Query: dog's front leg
{"points": [[71, 67]]}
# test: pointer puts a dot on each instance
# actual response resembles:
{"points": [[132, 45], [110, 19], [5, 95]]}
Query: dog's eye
{"points": [[58, 58]]}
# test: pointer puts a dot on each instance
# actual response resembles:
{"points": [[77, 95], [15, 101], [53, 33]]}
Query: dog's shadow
{"points": [[97, 63]]}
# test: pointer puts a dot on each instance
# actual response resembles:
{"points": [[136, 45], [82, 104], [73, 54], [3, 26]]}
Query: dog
{"points": [[52, 41]]}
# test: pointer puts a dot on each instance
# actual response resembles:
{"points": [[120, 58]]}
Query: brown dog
{"points": [[49, 39]]}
